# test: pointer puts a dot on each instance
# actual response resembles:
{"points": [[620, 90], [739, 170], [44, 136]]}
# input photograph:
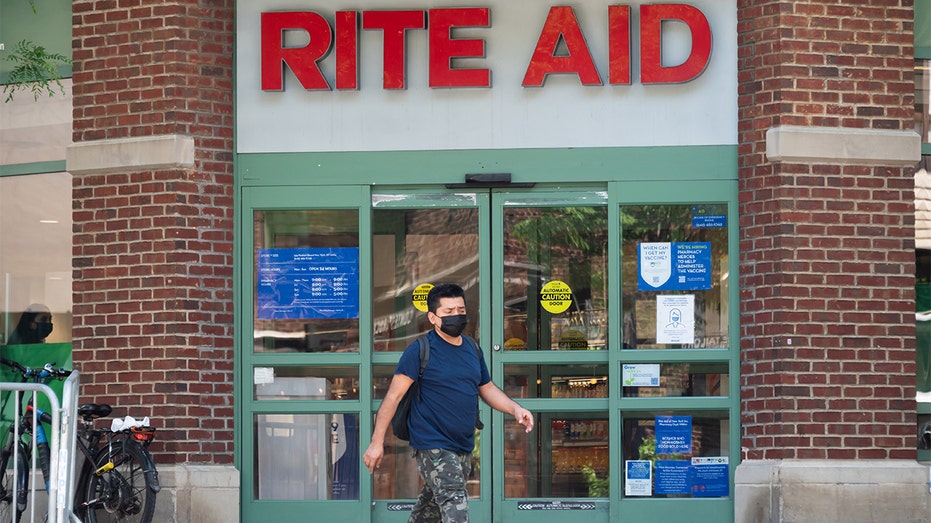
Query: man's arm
{"points": [[376, 451], [498, 400]]}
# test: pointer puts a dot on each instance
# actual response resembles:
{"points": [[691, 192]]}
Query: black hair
{"points": [[24, 333], [443, 290]]}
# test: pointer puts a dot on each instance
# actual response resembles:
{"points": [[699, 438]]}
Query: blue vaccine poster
{"points": [[307, 283], [674, 266]]}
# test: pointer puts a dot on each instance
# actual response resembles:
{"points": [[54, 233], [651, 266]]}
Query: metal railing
{"points": [[62, 444]]}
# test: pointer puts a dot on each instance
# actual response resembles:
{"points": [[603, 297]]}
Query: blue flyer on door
{"points": [[709, 477], [307, 283], [674, 266], [673, 477], [673, 434]]}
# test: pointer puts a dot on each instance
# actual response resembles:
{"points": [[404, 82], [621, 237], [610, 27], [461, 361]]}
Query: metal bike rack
{"points": [[62, 444]]}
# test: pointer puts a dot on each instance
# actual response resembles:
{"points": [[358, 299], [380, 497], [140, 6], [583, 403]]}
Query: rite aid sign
{"points": [[373, 76], [560, 28]]}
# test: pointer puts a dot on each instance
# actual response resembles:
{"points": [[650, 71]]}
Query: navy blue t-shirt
{"points": [[443, 417]]}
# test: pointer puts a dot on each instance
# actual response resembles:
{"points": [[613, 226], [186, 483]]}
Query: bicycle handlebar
{"points": [[46, 372]]}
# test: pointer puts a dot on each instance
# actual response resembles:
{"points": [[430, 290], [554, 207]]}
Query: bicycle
{"points": [[117, 481]]}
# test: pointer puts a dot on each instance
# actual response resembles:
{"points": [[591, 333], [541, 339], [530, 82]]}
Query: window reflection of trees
{"points": [[568, 244], [672, 223]]}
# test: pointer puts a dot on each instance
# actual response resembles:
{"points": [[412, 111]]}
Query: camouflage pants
{"points": [[443, 496]]}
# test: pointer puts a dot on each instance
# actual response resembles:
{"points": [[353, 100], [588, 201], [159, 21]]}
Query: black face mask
{"points": [[454, 325], [43, 329]]}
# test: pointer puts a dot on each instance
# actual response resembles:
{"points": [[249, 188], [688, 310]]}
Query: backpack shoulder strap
{"points": [[424, 352], [478, 351]]}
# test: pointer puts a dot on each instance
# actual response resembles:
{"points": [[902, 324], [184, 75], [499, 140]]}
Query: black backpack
{"points": [[399, 420]]}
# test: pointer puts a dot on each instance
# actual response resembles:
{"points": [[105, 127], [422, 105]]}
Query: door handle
{"points": [[496, 347]]}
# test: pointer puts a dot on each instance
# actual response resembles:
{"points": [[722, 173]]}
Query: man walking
{"points": [[442, 417]]}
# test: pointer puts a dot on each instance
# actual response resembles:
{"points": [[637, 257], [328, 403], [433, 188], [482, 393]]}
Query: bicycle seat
{"points": [[94, 410]]}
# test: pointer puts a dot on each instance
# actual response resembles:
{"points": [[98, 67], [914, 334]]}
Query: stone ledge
{"points": [[131, 154], [186, 476], [197, 494], [829, 491], [837, 145]]}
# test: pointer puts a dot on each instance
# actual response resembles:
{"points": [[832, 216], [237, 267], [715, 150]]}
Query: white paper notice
{"points": [[638, 478], [263, 375], [675, 319]]}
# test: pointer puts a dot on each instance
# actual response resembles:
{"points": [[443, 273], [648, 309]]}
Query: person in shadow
{"points": [[34, 326]]}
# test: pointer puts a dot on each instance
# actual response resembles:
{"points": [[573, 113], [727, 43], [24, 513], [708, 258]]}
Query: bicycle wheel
{"points": [[7, 503], [122, 493]]}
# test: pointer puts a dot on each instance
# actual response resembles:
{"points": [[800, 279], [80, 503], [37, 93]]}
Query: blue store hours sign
{"points": [[307, 283]]}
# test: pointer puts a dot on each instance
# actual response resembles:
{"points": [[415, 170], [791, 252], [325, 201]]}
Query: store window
{"points": [[686, 453], [571, 462], [306, 305], [551, 252], [675, 276], [35, 259], [307, 296]]}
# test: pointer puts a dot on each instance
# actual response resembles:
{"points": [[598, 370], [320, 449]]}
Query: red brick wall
{"points": [[827, 250], [153, 307]]}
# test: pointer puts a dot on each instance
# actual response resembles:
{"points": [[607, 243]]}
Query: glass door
{"points": [[534, 265], [301, 397], [550, 342], [421, 238]]}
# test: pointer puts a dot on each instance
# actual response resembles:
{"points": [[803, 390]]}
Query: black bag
{"points": [[399, 420]]}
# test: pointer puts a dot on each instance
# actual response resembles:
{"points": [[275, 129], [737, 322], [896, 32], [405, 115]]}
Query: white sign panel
{"points": [[510, 112], [675, 319], [641, 374]]}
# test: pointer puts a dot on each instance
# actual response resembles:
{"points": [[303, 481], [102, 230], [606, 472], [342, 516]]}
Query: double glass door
{"points": [[338, 291], [535, 270]]}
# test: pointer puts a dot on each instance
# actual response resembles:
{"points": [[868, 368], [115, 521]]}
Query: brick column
{"points": [[826, 164], [153, 218]]}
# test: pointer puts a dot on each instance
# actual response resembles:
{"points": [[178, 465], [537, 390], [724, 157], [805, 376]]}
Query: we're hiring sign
{"points": [[485, 66]]}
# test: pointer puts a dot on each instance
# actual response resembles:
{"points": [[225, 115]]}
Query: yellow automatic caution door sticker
{"points": [[419, 296], [555, 297]]}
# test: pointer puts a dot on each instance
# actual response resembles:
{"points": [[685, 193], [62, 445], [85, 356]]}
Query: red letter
{"points": [[651, 38], [347, 50], [619, 44], [561, 22], [394, 24], [443, 49], [301, 60]]}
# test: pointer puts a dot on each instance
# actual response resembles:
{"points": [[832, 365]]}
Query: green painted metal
{"points": [[923, 29], [32, 168], [559, 166], [612, 177]]}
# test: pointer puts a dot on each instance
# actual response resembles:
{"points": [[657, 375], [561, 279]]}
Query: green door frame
{"points": [[679, 509], [299, 198], [303, 181]]}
